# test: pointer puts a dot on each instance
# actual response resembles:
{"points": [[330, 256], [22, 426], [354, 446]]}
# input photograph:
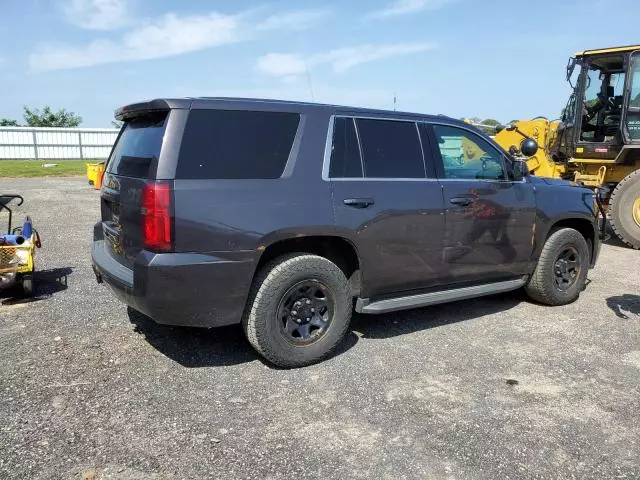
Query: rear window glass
{"points": [[138, 146], [345, 152], [232, 144], [390, 149]]}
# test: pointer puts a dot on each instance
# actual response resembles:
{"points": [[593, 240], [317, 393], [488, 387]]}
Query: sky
{"points": [[463, 58]]}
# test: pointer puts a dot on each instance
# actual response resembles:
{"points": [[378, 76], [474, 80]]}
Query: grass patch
{"points": [[33, 168]]}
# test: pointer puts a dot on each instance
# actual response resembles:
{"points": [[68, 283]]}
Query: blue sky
{"points": [[500, 59]]}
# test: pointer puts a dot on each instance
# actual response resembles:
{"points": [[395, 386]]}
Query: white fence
{"points": [[27, 143]]}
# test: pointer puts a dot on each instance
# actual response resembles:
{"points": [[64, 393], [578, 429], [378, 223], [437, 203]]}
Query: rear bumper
{"points": [[186, 289]]}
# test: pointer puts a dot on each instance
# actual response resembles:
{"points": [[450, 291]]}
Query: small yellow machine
{"points": [[17, 251], [596, 141], [95, 171]]}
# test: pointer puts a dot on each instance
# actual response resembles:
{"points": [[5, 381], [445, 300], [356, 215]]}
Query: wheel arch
{"points": [[338, 249], [584, 226]]}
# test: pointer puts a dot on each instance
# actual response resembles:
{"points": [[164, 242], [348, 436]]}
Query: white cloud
{"points": [[281, 64], [296, 20], [97, 14], [168, 36], [405, 7], [339, 60]]}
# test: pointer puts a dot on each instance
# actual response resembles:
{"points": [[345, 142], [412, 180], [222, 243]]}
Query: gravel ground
{"points": [[491, 388]]}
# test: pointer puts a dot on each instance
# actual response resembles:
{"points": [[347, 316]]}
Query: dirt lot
{"points": [[89, 391]]}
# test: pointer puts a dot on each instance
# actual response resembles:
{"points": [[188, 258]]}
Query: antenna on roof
{"points": [[395, 101], [306, 67]]}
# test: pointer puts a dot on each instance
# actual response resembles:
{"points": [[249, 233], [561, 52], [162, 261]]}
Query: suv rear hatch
{"points": [[135, 207]]}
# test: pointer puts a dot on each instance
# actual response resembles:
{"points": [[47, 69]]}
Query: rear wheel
{"points": [[625, 210], [561, 272], [298, 311]]}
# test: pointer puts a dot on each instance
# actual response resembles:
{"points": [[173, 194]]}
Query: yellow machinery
{"points": [[17, 251], [95, 171], [596, 142]]}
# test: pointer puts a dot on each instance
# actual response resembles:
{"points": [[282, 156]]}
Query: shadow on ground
{"points": [[47, 283], [613, 240], [224, 346], [625, 305]]}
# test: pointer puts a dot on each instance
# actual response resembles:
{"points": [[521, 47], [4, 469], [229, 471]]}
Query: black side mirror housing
{"points": [[529, 147], [520, 170]]}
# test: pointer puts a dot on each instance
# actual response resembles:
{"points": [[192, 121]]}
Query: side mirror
{"points": [[520, 170], [511, 127], [499, 127], [529, 147]]}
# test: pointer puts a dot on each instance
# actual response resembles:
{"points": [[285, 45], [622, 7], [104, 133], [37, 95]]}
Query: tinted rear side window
{"points": [[390, 149], [138, 147], [345, 152], [232, 144]]}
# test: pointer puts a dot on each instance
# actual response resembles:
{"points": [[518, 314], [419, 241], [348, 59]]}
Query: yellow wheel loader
{"points": [[596, 141]]}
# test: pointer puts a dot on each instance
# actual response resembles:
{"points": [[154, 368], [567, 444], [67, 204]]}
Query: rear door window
{"points": [[234, 144], [138, 148], [390, 149]]}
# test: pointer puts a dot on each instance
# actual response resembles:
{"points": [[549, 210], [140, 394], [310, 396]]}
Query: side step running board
{"points": [[364, 305]]}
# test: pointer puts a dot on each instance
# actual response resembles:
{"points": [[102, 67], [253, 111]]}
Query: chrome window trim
{"points": [[424, 159], [355, 127], [327, 149]]}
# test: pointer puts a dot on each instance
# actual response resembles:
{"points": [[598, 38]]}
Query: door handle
{"points": [[358, 202], [461, 201]]}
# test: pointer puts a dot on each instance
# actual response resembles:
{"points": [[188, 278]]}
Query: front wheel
{"points": [[298, 311], [561, 272]]}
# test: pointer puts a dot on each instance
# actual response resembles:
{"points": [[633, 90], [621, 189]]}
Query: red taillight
{"points": [[156, 216]]}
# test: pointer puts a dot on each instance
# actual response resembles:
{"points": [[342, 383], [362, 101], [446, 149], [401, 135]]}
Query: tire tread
{"points": [[614, 217], [539, 288]]}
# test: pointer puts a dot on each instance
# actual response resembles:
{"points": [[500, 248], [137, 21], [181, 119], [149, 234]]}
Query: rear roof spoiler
{"points": [[157, 105]]}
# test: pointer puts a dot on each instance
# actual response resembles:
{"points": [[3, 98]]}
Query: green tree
{"points": [[48, 118], [5, 122], [490, 122]]}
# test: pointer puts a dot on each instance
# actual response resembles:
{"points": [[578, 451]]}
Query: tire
{"points": [[543, 286], [624, 199], [27, 286], [276, 284]]}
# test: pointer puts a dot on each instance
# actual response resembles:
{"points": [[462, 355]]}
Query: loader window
{"points": [[603, 99], [633, 113]]}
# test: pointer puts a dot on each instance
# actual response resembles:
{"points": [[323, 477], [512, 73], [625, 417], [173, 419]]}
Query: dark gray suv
{"points": [[282, 216]]}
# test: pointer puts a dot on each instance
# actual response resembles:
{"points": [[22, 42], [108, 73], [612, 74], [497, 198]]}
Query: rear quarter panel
{"points": [[239, 218]]}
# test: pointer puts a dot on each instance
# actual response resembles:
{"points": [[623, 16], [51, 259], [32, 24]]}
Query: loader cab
{"points": [[603, 113], [599, 106]]}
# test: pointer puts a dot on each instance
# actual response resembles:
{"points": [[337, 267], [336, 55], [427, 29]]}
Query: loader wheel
{"points": [[625, 210], [561, 272]]}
